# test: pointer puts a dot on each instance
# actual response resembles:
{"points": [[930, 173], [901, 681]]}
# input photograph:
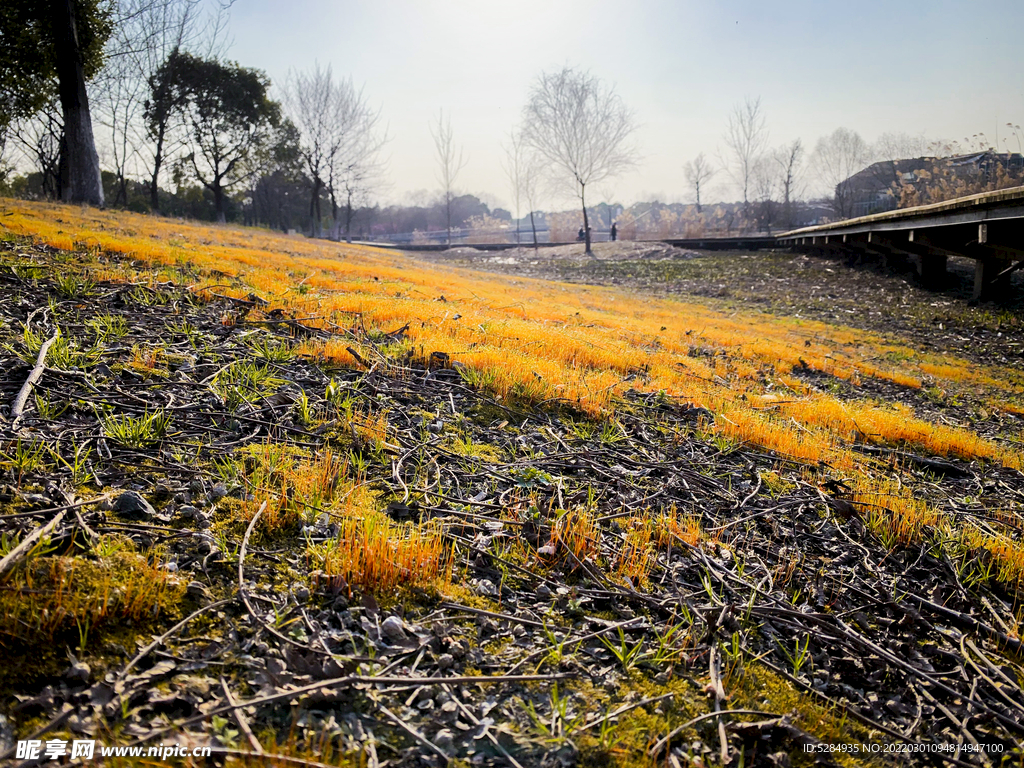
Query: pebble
{"points": [[391, 630], [445, 661], [445, 741], [78, 672], [196, 589], [486, 588], [132, 503]]}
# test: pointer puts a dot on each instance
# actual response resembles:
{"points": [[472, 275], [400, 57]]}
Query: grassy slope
{"points": [[539, 344], [537, 341]]}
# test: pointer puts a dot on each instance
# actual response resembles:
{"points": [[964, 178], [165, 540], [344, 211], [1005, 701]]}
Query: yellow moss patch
{"points": [[49, 594]]}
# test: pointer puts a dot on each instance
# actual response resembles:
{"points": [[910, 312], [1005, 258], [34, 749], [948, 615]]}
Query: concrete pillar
{"points": [[987, 286], [931, 268]]}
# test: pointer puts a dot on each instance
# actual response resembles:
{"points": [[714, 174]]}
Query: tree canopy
{"points": [[28, 51], [227, 113], [580, 128]]}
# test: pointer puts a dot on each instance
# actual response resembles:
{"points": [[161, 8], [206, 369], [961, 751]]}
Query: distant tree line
{"points": [[183, 131], [852, 176]]}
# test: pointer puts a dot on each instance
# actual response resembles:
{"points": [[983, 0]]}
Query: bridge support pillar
{"points": [[931, 268], [988, 285]]}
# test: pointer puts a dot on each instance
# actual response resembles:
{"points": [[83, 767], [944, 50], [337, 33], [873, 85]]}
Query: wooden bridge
{"points": [[988, 228]]}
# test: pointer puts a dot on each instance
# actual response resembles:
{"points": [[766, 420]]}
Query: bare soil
{"points": [[785, 609]]}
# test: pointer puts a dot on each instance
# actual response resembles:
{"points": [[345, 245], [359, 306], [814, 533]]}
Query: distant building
{"points": [[877, 187]]}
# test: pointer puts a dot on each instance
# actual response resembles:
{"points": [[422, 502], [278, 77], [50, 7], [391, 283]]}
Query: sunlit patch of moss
{"points": [[761, 688], [464, 446], [46, 595], [775, 483], [628, 741], [372, 552]]}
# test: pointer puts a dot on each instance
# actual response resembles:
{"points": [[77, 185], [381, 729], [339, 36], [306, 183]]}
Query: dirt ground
{"points": [[704, 580]]}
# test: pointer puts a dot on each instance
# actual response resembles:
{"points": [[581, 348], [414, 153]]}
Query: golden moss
{"points": [[532, 341], [50, 594]]}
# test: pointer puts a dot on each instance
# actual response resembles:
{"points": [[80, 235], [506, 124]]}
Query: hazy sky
{"points": [[940, 68]]}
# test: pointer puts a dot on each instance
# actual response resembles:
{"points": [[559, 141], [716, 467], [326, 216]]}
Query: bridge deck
{"points": [[988, 228]]}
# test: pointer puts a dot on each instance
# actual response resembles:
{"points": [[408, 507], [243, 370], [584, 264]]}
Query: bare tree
{"points": [[765, 183], [515, 165], [788, 158], [530, 179], [450, 161], [747, 138], [38, 139], [837, 157], [313, 101], [340, 140], [356, 168], [581, 129], [145, 34], [699, 173]]}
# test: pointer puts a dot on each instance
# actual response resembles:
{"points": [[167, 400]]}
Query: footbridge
{"points": [[988, 228]]}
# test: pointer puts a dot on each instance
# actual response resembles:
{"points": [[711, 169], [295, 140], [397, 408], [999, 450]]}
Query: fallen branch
{"points": [[19, 402], [28, 542], [414, 733], [240, 718]]}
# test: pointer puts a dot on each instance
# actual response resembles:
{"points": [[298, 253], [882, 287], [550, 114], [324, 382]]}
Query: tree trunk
{"points": [[82, 183], [121, 198], [533, 226], [335, 224], [158, 160], [348, 218], [314, 209], [448, 210], [218, 202], [586, 224]]}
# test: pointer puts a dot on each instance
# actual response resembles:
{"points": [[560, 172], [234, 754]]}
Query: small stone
{"points": [[543, 592], [445, 741], [79, 672], [445, 661], [218, 492], [132, 503], [486, 588], [392, 630], [518, 630], [196, 589], [301, 594]]}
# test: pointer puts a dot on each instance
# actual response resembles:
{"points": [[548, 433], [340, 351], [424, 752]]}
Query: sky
{"points": [[947, 70]]}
